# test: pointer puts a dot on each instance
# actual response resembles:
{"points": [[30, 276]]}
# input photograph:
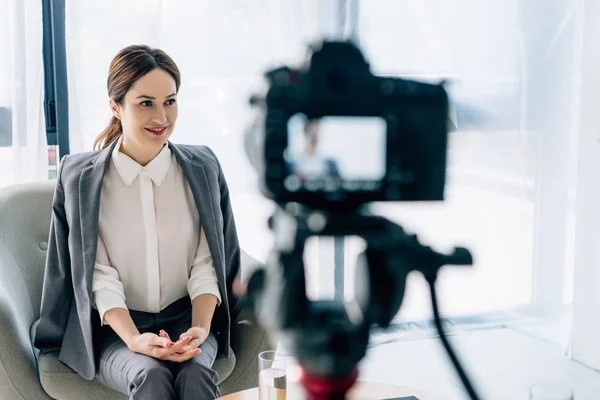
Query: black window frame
{"points": [[56, 89]]}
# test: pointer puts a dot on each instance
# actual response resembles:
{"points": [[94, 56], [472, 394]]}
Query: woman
{"points": [[143, 247]]}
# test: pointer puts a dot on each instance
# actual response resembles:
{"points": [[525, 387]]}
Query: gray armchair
{"points": [[25, 212]]}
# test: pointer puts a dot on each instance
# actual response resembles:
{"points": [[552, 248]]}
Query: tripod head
{"points": [[330, 338]]}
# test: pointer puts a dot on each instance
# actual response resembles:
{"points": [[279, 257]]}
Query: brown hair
{"points": [[129, 65]]}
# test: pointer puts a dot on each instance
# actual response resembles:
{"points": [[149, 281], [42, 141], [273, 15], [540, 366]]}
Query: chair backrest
{"points": [[25, 213]]}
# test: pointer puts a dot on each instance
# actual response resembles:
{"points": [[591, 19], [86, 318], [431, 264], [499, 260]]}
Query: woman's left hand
{"points": [[197, 334]]}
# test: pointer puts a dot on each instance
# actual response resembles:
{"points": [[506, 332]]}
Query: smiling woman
{"points": [[157, 241], [142, 86]]}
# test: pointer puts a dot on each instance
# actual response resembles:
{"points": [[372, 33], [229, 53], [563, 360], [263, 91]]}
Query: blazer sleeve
{"points": [[57, 291], [232, 246]]}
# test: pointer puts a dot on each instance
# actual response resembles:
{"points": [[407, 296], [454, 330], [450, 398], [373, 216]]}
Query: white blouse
{"points": [[152, 249]]}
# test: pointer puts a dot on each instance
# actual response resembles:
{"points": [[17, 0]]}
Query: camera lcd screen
{"points": [[335, 153]]}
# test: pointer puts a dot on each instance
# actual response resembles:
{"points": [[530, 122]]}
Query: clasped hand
{"points": [[163, 348]]}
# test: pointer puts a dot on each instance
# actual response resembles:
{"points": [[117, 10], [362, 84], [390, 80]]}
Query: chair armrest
{"points": [[19, 377]]}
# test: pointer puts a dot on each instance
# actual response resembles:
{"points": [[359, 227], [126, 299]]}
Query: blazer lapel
{"points": [[195, 173], [90, 189]]}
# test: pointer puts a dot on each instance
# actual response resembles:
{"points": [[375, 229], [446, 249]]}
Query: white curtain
{"points": [[23, 150]]}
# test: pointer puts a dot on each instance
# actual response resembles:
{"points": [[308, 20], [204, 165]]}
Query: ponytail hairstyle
{"points": [[129, 65]]}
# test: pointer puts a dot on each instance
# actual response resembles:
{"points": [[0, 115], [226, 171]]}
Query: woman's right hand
{"points": [[162, 348]]}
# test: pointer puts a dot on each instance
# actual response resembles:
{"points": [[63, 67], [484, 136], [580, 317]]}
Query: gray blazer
{"points": [[67, 319]]}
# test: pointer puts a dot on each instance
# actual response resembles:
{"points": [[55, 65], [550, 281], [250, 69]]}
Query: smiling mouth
{"points": [[158, 130]]}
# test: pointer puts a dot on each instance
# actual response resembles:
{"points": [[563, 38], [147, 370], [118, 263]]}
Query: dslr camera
{"points": [[335, 135], [330, 138]]}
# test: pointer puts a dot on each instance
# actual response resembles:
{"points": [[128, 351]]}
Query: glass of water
{"points": [[272, 379], [550, 391]]}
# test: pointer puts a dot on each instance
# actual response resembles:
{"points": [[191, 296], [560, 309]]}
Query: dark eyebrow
{"points": [[152, 98]]}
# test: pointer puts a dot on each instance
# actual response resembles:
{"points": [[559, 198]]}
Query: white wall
{"points": [[586, 293]]}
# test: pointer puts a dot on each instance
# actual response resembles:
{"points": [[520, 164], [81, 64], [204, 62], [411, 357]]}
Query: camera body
{"points": [[385, 138]]}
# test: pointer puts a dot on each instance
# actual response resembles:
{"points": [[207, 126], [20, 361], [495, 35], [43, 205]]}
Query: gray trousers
{"points": [[143, 377]]}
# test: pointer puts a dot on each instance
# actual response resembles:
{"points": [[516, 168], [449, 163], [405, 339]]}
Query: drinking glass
{"points": [[272, 380]]}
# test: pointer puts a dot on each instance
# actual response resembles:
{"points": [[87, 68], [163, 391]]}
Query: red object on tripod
{"points": [[319, 388]]}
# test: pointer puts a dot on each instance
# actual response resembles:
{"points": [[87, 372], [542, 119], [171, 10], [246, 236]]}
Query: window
{"points": [[23, 150], [512, 76], [511, 70]]}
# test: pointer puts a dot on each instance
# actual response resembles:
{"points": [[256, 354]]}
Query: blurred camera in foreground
{"points": [[330, 138], [333, 134]]}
